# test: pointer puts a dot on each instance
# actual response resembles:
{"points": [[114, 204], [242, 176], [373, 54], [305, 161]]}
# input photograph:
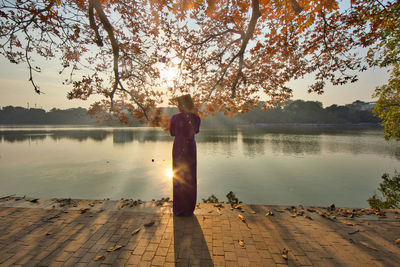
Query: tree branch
{"points": [[255, 14], [114, 43]]}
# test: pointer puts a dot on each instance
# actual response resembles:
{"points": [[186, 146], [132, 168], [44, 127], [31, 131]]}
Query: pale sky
{"points": [[16, 90]]}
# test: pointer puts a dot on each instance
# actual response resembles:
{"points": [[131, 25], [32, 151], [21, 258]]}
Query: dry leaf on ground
{"points": [[242, 217], [149, 224], [83, 210], [285, 254], [365, 244], [134, 232], [346, 222], [114, 248], [97, 258], [218, 205], [238, 206], [241, 243], [253, 212], [269, 213], [308, 217], [397, 241]]}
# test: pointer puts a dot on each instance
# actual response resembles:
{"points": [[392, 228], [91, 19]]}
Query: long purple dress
{"points": [[184, 162]]}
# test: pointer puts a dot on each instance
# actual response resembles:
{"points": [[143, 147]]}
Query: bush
{"points": [[390, 190]]}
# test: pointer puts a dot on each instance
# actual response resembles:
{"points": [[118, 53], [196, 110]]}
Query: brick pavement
{"points": [[47, 233]]}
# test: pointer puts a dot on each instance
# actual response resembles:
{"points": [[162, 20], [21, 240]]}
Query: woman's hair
{"points": [[185, 103]]}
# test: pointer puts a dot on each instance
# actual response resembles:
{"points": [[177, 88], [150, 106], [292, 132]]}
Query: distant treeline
{"points": [[305, 112], [298, 111]]}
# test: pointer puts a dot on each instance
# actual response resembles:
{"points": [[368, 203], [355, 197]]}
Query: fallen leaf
{"points": [[346, 222], [269, 213], [242, 217], [365, 244], [397, 241], [311, 210], [354, 232], [137, 230], [218, 205], [83, 210], [238, 206], [253, 212], [210, 211], [149, 224], [114, 248], [285, 254], [308, 217], [320, 212], [219, 211], [97, 258], [241, 243]]}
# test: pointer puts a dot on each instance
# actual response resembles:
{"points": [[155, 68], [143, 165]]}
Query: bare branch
{"points": [[114, 43]]}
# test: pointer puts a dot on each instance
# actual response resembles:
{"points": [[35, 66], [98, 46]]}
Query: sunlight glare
{"points": [[168, 74], [169, 173]]}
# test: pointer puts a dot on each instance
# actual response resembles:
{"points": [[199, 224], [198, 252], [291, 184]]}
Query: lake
{"points": [[263, 165]]}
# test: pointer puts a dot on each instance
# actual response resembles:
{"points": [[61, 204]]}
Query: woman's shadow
{"points": [[189, 244]]}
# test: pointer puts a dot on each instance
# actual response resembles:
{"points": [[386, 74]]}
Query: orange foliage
{"points": [[228, 52]]}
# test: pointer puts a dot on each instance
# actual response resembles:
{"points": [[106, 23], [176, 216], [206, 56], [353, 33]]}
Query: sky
{"points": [[16, 90]]}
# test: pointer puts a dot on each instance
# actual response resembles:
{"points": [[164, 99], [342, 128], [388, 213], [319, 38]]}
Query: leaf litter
{"points": [[114, 248]]}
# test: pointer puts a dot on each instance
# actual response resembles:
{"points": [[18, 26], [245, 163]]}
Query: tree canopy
{"points": [[227, 53]]}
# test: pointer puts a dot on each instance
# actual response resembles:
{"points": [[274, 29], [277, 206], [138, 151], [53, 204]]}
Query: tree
{"points": [[390, 191], [385, 28], [226, 51]]}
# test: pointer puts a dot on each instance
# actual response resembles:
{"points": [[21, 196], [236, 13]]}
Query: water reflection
{"points": [[254, 141], [289, 144], [33, 135]]}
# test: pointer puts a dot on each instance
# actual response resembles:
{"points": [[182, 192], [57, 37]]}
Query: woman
{"points": [[184, 126]]}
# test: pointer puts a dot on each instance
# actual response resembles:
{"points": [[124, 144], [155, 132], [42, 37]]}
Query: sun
{"points": [[169, 173], [168, 74]]}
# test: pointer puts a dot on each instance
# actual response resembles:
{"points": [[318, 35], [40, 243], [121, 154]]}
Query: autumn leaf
{"points": [[365, 244], [269, 213], [148, 224], [114, 248], [241, 217], [219, 211], [241, 243], [354, 232], [83, 210], [346, 222], [285, 254], [97, 258], [137, 230]]}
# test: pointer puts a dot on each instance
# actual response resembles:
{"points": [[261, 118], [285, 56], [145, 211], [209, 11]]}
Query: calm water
{"points": [[306, 166]]}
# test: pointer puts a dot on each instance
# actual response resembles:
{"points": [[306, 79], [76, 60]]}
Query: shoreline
{"points": [[165, 206]]}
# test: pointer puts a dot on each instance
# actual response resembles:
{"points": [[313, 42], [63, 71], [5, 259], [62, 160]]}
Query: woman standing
{"points": [[184, 126]]}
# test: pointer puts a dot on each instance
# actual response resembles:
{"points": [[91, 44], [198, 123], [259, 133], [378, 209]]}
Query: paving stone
{"points": [[202, 240]]}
